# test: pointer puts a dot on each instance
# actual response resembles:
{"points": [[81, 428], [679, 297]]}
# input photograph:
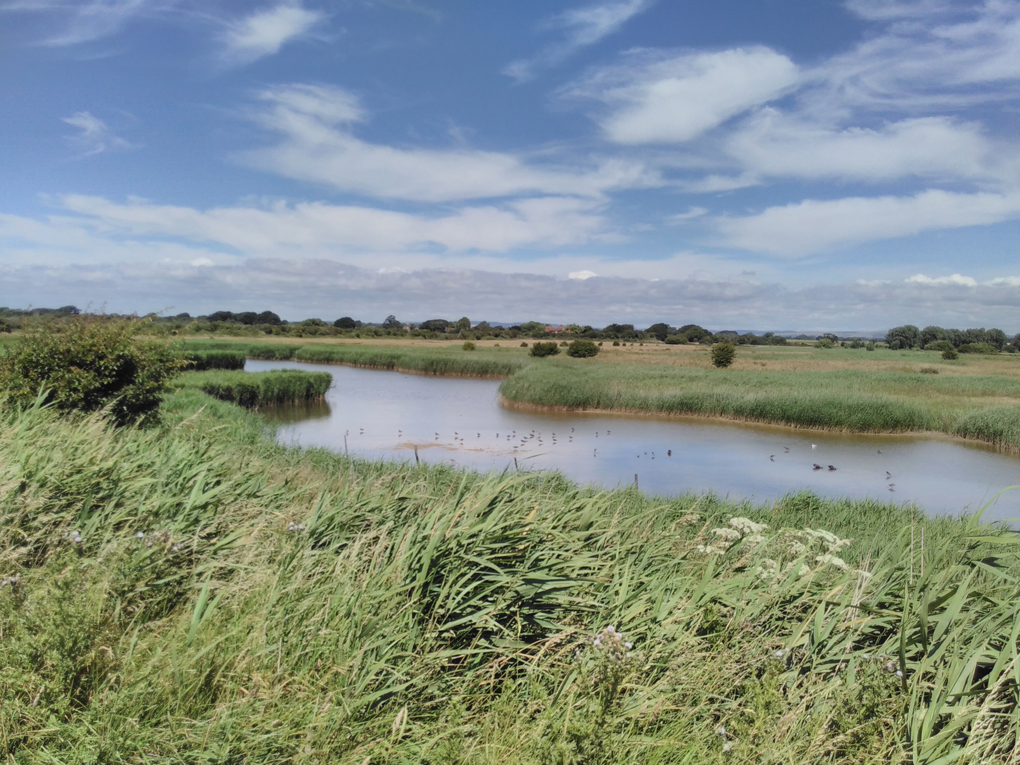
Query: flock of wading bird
{"points": [[535, 437]]}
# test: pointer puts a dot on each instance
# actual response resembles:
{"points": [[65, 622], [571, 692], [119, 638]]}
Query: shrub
{"points": [[950, 354], [89, 362], [824, 343], [929, 370], [545, 349], [939, 345], [869, 347], [468, 346], [616, 343], [977, 348], [675, 340], [582, 349], [524, 345], [723, 354]]}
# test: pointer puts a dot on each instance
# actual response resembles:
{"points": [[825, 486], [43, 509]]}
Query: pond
{"points": [[391, 415]]}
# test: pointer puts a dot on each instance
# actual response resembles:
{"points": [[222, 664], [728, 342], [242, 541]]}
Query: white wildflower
{"points": [[746, 526]]}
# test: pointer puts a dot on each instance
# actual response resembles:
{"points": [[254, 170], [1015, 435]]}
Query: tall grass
{"points": [[262, 388], [200, 361], [858, 401], [200, 594], [434, 360]]}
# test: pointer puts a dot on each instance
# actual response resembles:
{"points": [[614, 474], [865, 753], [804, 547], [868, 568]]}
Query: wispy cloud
{"points": [[811, 226], [325, 228], [673, 98], [317, 144], [95, 136], [265, 32], [581, 27], [90, 20]]}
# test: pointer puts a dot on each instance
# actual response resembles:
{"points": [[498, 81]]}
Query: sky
{"points": [[765, 164]]}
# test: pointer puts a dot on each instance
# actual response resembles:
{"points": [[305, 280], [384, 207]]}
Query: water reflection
{"points": [[460, 422]]}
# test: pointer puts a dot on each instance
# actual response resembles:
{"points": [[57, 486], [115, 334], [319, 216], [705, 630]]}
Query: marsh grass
{"points": [[981, 407], [251, 391], [199, 594], [200, 361]]}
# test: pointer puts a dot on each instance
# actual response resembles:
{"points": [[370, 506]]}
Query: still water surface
{"points": [[460, 422]]}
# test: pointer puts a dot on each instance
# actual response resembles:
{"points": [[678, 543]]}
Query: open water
{"points": [[391, 415]]}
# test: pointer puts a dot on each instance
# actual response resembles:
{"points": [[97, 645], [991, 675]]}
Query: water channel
{"points": [[388, 415]]}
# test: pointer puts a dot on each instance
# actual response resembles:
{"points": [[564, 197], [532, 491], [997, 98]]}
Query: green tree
{"points": [[659, 331], [907, 336], [346, 322], [391, 322], [463, 324]]}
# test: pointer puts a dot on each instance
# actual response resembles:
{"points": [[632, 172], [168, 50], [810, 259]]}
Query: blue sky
{"points": [[771, 164]]}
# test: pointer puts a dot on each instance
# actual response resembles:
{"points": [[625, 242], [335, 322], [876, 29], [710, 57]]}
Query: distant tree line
{"points": [[932, 338], [255, 323]]}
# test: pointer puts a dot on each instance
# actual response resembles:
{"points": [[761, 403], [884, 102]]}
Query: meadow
{"points": [[194, 592]]}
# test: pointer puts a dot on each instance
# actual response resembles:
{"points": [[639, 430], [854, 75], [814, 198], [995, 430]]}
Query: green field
{"points": [[196, 593]]}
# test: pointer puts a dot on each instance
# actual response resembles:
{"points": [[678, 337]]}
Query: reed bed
{"points": [[197, 593], [434, 360], [251, 391], [981, 407], [200, 361]]}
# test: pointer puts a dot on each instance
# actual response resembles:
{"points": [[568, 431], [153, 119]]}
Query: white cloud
{"points": [[263, 33], [885, 10], [680, 97], [85, 21], [812, 226], [581, 275], [317, 145], [298, 289], [773, 144], [973, 57], [95, 136], [583, 26], [323, 228], [955, 279]]}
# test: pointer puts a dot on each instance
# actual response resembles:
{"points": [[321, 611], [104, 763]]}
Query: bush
{"points": [[582, 349], [950, 354], [89, 362], [616, 343], [469, 346], [824, 343], [939, 345], [675, 340], [524, 345], [869, 347], [544, 349], [977, 348], [723, 354]]}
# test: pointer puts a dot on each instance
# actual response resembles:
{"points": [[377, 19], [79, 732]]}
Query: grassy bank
{"points": [[983, 407], [260, 389], [197, 593]]}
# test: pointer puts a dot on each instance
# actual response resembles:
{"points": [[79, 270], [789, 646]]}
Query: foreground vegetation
{"points": [[196, 593]]}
